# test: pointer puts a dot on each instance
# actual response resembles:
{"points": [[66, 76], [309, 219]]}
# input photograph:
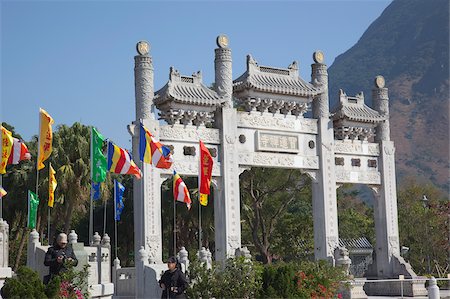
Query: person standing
{"points": [[58, 257], [173, 282]]}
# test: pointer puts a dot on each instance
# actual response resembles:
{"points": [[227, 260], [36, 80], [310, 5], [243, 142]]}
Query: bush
{"points": [[304, 280], [239, 278], [26, 284]]}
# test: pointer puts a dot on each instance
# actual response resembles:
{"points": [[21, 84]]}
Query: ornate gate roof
{"points": [[274, 80], [354, 109], [186, 90]]}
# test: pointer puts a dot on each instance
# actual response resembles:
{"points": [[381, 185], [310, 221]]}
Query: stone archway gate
{"points": [[258, 120]]}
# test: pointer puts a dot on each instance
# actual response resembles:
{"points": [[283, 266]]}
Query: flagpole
{"points": [[104, 218], [104, 213], [28, 218], [115, 215], [199, 225], [48, 207], [199, 196], [91, 208], [174, 227], [39, 152]]}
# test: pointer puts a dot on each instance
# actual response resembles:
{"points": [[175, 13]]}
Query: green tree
{"points": [[424, 227], [71, 160], [356, 217], [266, 196]]}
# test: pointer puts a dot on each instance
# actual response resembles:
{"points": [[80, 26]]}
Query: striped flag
{"points": [[152, 151], [180, 190], [19, 152], [119, 161]]}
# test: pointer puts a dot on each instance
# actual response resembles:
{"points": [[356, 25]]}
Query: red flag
{"points": [[205, 174]]}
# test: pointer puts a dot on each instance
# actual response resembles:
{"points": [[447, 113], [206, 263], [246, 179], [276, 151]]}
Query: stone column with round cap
{"points": [[147, 190], [326, 237], [226, 194], [385, 204]]}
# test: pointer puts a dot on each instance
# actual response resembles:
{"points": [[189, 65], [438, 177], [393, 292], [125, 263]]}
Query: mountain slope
{"points": [[409, 45]]}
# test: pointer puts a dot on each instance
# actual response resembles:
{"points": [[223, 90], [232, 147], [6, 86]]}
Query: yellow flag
{"points": [[51, 186], [203, 199], [7, 143], [45, 137]]}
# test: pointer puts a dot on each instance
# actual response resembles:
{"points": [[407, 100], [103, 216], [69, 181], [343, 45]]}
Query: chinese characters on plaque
{"points": [[277, 142]]}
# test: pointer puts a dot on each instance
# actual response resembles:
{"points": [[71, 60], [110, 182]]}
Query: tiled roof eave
{"points": [[365, 119], [278, 90], [195, 101]]}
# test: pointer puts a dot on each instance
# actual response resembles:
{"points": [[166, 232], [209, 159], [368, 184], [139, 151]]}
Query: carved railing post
{"points": [[33, 242]]}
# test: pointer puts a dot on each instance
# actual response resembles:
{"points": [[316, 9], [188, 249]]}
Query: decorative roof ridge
{"points": [[254, 67], [175, 76]]}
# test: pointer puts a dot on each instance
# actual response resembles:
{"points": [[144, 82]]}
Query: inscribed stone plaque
{"points": [[272, 142]]}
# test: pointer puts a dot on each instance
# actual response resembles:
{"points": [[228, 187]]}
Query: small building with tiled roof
{"points": [[176, 99], [272, 89], [352, 119]]}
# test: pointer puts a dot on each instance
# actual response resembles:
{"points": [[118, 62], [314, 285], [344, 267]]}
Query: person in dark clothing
{"points": [[58, 257], [173, 282]]}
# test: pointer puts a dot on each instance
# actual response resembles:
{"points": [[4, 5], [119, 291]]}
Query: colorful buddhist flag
{"points": [[19, 152], [152, 151], [180, 190], [33, 203], [45, 137], [205, 174], [119, 161], [118, 202], [2, 192], [98, 159], [52, 183], [7, 143]]}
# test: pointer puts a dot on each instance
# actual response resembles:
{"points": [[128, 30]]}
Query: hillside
{"points": [[409, 45]]}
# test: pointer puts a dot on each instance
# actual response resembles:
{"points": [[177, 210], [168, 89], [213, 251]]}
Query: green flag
{"points": [[98, 159], [33, 203]]}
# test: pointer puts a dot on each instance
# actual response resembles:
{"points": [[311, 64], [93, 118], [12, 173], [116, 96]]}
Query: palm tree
{"points": [[70, 158]]}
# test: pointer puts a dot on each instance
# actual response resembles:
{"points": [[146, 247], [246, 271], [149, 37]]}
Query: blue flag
{"points": [[118, 202], [95, 189]]}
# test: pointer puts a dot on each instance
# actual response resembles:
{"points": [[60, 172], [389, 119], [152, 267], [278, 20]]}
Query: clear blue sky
{"points": [[75, 58]]}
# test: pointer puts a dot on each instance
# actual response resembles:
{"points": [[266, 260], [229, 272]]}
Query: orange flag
{"points": [[205, 174], [51, 186], [45, 137], [7, 143]]}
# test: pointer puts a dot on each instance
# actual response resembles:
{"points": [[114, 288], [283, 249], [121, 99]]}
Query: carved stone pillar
{"points": [[223, 70], [147, 190], [380, 99], [143, 81], [227, 213], [326, 237], [4, 243], [227, 216], [385, 208]]}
